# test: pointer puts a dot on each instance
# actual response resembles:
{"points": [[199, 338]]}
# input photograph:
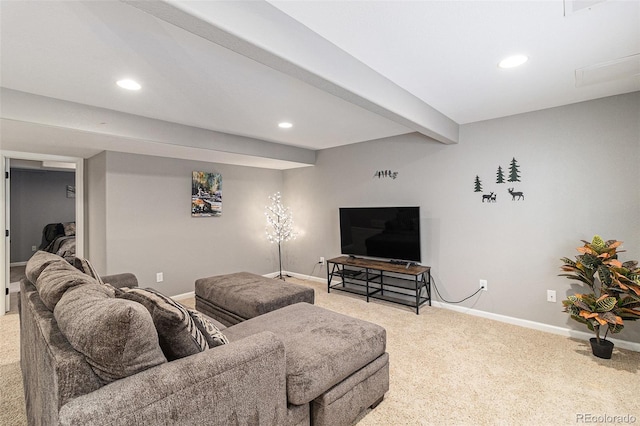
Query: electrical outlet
{"points": [[551, 296], [159, 277], [34, 248], [483, 285], [321, 260]]}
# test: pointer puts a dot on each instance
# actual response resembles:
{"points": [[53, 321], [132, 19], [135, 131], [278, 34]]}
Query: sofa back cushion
{"points": [[58, 277], [37, 263], [53, 371], [178, 334], [116, 336]]}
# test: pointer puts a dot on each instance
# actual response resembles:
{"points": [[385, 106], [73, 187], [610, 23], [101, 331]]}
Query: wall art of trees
{"points": [[512, 175]]}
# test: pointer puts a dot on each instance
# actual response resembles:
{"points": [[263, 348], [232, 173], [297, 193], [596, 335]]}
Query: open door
{"points": [[7, 239], [5, 195]]}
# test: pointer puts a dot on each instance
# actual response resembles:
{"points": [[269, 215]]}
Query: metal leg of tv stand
{"points": [[366, 271], [418, 287], [425, 281], [330, 275], [338, 270]]}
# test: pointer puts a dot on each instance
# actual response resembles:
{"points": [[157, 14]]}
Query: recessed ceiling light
{"points": [[285, 125], [513, 61], [128, 84]]}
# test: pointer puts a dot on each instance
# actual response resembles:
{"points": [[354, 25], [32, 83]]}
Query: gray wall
{"points": [[38, 197], [148, 224], [96, 210], [580, 176]]}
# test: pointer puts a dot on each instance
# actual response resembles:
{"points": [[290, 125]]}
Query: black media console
{"points": [[406, 284]]}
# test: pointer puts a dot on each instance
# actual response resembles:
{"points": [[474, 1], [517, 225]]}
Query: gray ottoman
{"points": [[334, 362], [234, 298]]}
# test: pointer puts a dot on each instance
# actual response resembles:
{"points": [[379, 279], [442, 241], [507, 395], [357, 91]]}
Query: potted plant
{"points": [[614, 291]]}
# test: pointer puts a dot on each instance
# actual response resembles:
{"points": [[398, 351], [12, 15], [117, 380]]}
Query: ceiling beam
{"points": [[260, 31], [41, 110]]}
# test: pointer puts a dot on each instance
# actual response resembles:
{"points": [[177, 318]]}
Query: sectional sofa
{"points": [[90, 355]]}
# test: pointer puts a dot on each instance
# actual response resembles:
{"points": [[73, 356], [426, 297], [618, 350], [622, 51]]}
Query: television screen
{"points": [[381, 232]]}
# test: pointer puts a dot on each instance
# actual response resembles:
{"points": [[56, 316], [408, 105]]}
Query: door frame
{"points": [[5, 249]]}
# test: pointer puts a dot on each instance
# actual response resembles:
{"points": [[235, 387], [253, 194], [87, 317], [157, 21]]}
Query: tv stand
{"points": [[402, 282]]}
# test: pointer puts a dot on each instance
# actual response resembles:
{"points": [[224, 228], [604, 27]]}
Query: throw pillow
{"points": [[56, 278], [116, 291], [116, 336], [69, 228], [85, 266], [208, 329], [178, 335]]}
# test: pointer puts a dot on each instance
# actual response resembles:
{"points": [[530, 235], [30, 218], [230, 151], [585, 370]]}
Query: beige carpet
{"points": [[11, 395], [16, 273], [448, 368]]}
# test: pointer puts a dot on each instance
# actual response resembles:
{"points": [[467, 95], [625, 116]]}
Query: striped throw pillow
{"points": [[212, 333], [178, 334], [85, 266]]}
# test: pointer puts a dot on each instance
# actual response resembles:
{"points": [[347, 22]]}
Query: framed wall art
{"points": [[206, 194]]}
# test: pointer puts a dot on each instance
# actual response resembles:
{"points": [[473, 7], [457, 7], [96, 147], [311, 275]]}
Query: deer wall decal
{"points": [[518, 194], [491, 197]]}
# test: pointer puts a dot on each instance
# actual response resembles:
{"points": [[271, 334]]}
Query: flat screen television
{"points": [[381, 232]]}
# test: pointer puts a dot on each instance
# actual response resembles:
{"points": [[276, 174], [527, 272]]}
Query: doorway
{"points": [[43, 188]]}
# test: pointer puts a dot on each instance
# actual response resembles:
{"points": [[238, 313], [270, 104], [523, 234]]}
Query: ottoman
{"points": [[335, 364], [234, 298]]}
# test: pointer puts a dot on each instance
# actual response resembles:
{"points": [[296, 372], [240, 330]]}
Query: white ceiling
{"points": [[411, 66], [446, 52]]}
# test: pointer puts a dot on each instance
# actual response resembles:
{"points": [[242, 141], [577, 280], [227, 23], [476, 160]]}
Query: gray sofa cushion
{"points": [[322, 347], [234, 385], [37, 263], [58, 277], [53, 371], [178, 334], [116, 336]]}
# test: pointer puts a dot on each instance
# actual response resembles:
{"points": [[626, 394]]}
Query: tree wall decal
{"points": [[514, 173], [501, 178], [500, 175], [478, 185]]}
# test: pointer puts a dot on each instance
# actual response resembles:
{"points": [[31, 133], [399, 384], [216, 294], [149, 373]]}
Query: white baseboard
{"points": [[562, 331], [296, 275], [273, 274], [633, 346]]}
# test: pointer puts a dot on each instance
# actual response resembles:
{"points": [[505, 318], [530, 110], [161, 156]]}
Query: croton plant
{"points": [[614, 287]]}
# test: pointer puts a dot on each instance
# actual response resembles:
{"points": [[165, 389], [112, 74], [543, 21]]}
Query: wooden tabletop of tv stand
{"points": [[380, 265]]}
